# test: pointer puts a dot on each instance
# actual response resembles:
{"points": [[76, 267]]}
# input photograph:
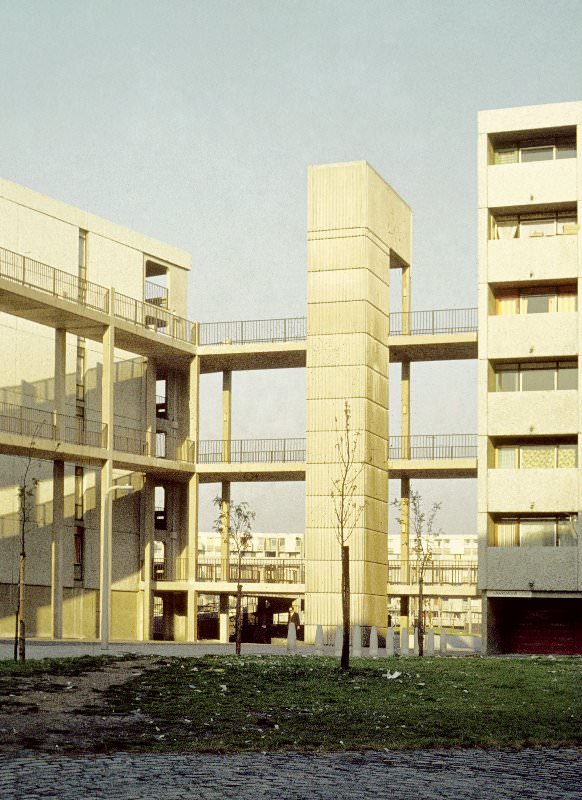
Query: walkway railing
{"points": [[157, 445], [292, 329], [430, 447], [36, 275], [257, 451], [455, 573], [254, 571], [28, 272], [155, 294], [166, 569], [439, 321], [37, 423]]}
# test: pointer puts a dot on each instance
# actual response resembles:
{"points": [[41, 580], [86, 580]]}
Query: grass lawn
{"points": [[273, 703]]}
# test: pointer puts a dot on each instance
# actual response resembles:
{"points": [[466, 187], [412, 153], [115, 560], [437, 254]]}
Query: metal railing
{"points": [[29, 272], [254, 571], [292, 329], [154, 318], [142, 443], [242, 451], [167, 569], [439, 321], [37, 423], [155, 294], [433, 446], [455, 573]]}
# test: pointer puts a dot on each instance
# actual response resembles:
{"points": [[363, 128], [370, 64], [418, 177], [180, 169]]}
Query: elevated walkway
{"points": [[435, 335], [433, 456]]}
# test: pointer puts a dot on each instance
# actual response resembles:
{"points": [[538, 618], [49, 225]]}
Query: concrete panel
{"points": [[540, 413], [527, 335], [547, 258], [534, 183], [124, 608], [515, 568], [528, 490]]}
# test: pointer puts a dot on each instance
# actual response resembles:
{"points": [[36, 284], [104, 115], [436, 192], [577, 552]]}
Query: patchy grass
{"points": [[221, 704]]}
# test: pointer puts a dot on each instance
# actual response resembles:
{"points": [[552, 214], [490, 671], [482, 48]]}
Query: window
{"points": [[79, 493], [547, 148], [536, 376], [532, 224], [79, 543], [534, 531], [540, 455]]}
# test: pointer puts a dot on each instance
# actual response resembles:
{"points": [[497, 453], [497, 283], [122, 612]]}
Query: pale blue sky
{"points": [[194, 122]]}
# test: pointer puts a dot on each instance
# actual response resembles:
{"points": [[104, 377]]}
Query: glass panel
{"points": [[537, 303], [538, 456], [506, 457], [566, 150], [537, 532], [567, 532], [506, 227], [567, 455], [566, 220], [507, 381], [567, 300], [545, 153], [506, 533], [506, 155], [538, 380], [532, 226], [567, 377]]}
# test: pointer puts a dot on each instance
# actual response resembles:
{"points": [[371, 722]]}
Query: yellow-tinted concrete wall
{"points": [[547, 258]]}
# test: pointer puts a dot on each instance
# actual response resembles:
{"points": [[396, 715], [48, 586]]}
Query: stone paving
{"points": [[541, 774]]}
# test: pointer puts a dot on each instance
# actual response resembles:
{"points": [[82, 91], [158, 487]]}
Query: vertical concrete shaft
{"points": [[106, 476], [223, 618], [58, 528], [406, 300], [358, 228], [149, 503], [226, 414], [405, 408], [405, 529], [60, 378], [193, 494]]}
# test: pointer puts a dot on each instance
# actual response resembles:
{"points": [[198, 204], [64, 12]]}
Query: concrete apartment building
{"points": [[101, 395]]}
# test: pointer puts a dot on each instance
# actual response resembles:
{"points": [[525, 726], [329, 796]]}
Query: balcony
{"points": [[537, 182], [254, 571], [433, 455], [552, 335], [538, 413], [530, 569], [514, 491], [434, 335], [545, 258]]}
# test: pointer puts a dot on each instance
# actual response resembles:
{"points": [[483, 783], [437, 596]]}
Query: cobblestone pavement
{"points": [[423, 775]]}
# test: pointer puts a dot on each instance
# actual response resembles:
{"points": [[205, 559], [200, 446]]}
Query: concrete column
{"points": [[105, 529], [404, 611], [60, 378], [224, 534], [150, 405], [58, 529], [406, 300], [223, 618], [358, 229], [192, 551], [226, 414], [405, 408], [148, 498], [405, 530]]}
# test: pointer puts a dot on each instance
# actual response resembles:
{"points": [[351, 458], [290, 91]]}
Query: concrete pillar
{"points": [[105, 529], [357, 641], [150, 409], [148, 501], [404, 611], [373, 642], [223, 618], [192, 534], [406, 308], [405, 408], [443, 641], [404, 643], [224, 534], [415, 641], [60, 379], [358, 228], [226, 414], [338, 641], [291, 638], [319, 640], [58, 530], [429, 642], [405, 531], [390, 642]]}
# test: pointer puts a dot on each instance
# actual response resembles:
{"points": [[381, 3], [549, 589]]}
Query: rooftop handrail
{"points": [[454, 573], [433, 446], [288, 329], [241, 451], [432, 322]]}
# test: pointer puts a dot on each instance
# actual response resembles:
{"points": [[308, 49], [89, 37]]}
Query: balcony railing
{"points": [[153, 318], [37, 423], [166, 569], [155, 294], [256, 451], [455, 573], [141, 443], [254, 571], [431, 447], [28, 272], [430, 323], [292, 329]]}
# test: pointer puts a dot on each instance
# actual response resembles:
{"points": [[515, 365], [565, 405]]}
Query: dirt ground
{"points": [[57, 714]]}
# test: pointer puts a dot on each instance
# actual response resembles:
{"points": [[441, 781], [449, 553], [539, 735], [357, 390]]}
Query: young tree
{"points": [[237, 520], [422, 528], [347, 512], [26, 515]]}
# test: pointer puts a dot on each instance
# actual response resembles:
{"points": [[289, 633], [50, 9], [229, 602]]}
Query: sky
{"points": [[194, 122]]}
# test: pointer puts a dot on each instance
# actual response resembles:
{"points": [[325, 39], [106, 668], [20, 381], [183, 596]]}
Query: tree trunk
{"points": [[238, 618], [421, 615], [19, 629], [345, 659]]}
